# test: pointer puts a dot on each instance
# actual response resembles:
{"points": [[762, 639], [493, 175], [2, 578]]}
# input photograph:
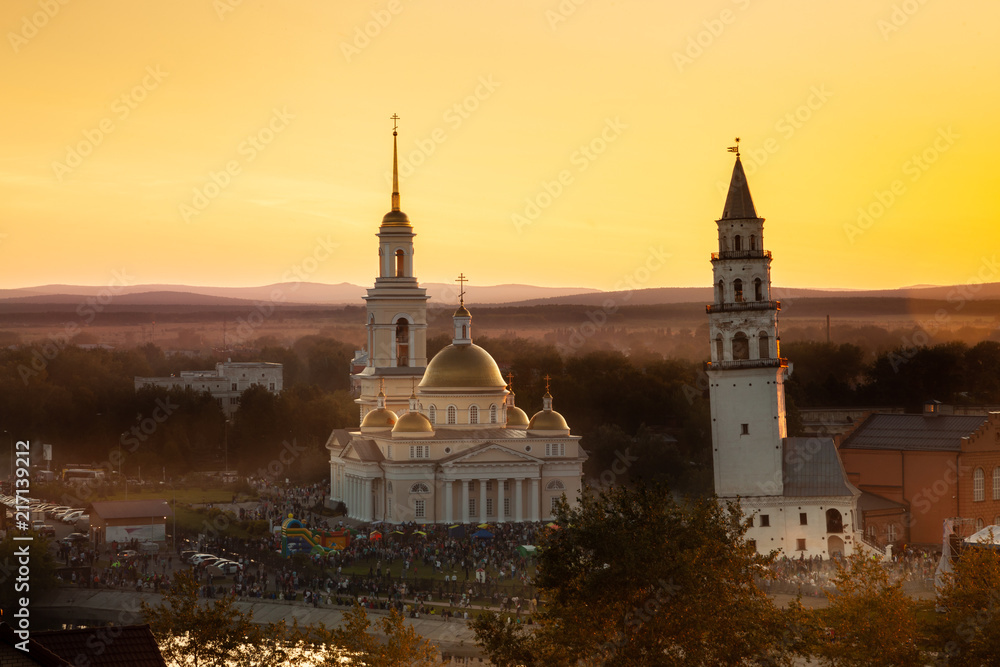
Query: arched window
{"points": [[721, 297], [737, 243], [890, 532], [452, 414], [978, 485], [465, 333], [402, 343], [741, 346], [432, 414], [979, 525], [400, 264], [737, 290], [758, 290], [753, 242], [718, 347], [493, 413], [996, 483], [388, 487], [381, 264], [419, 487], [473, 414], [555, 485], [763, 346]]}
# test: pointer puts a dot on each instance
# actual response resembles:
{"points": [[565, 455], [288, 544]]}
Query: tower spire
{"points": [[739, 203], [395, 217], [395, 165]]}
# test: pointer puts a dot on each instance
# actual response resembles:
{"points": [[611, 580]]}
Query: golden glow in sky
{"points": [[562, 142]]}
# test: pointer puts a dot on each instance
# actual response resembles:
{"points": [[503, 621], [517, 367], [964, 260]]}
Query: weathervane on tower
{"points": [[736, 148]]}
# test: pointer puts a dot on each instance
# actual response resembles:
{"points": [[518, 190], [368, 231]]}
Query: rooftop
{"points": [[812, 467], [914, 432]]}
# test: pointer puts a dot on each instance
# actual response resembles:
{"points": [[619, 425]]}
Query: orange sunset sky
{"points": [[216, 142]]}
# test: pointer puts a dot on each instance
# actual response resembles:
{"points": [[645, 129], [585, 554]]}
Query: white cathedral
{"points": [[795, 489], [441, 441]]}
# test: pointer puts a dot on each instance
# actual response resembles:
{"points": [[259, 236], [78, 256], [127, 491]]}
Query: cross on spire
{"points": [[510, 379], [461, 280], [395, 117], [547, 378]]}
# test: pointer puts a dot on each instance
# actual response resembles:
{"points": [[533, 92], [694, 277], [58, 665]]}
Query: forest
{"points": [[634, 404]]}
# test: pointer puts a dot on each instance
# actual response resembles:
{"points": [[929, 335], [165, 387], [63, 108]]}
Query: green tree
{"points": [[635, 577], [969, 632], [871, 622], [389, 642], [214, 634]]}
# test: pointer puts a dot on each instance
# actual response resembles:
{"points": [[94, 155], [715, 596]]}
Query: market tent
{"points": [[483, 534], [456, 531], [527, 551], [987, 537]]}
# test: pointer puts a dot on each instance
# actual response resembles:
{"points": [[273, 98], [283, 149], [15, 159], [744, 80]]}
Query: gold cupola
{"points": [[381, 418], [547, 421]]}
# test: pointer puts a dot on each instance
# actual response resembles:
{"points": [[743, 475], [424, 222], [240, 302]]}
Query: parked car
{"points": [[43, 528], [129, 553], [199, 558]]}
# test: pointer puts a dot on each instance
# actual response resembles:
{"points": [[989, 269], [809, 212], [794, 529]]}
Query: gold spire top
{"points": [[736, 148], [510, 381], [395, 217], [395, 165], [547, 379], [381, 387]]}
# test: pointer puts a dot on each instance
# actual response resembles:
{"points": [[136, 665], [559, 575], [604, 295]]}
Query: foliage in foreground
{"points": [[970, 628], [870, 621], [634, 577]]}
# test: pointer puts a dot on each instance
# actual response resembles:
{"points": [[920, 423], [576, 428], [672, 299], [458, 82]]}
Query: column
{"points": [[517, 500], [367, 502], [447, 501], [482, 501], [535, 516], [500, 514], [465, 500]]}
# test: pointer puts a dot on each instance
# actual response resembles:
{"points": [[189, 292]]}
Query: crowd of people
{"points": [[814, 576]]}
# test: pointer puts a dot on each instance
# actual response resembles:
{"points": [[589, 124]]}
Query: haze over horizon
{"points": [[565, 144]]}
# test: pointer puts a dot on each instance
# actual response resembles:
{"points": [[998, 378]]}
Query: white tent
{"points": [[987, 537]]}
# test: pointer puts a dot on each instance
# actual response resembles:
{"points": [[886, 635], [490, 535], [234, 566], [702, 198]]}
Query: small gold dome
{"points": [[462, 312], [395, 219], [516, 417], [413, 422], [462, 366], [379, 418], [548, 420]]}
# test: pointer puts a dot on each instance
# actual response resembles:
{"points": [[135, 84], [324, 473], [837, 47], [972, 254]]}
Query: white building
{"points": [[795, 489], [459, 449], [226, 383]]}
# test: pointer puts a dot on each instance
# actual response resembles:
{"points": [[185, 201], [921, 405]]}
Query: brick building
{"points": [[916, 470]]}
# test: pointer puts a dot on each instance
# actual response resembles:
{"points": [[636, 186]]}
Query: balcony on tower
{"points": [[741, 254], [735, 307]]}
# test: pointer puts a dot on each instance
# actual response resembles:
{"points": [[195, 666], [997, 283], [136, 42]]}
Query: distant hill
{"points": [[320, 294], [290, 293]]}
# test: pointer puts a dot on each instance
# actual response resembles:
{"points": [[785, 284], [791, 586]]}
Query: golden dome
{"points": [[548, 420], [462, 366], [395, 219], [379, 418], [516, 416], [413, 422], [462, 312]]}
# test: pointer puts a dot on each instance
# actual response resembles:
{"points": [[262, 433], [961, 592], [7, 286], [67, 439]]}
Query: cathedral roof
{"points": [[516, 416], [812, 467], [462, 366], [739, 204], [914, 432], [413, 422]]}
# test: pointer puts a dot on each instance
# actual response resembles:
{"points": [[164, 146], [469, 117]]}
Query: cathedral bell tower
{"points": [[396, 317], [746, 373]]}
